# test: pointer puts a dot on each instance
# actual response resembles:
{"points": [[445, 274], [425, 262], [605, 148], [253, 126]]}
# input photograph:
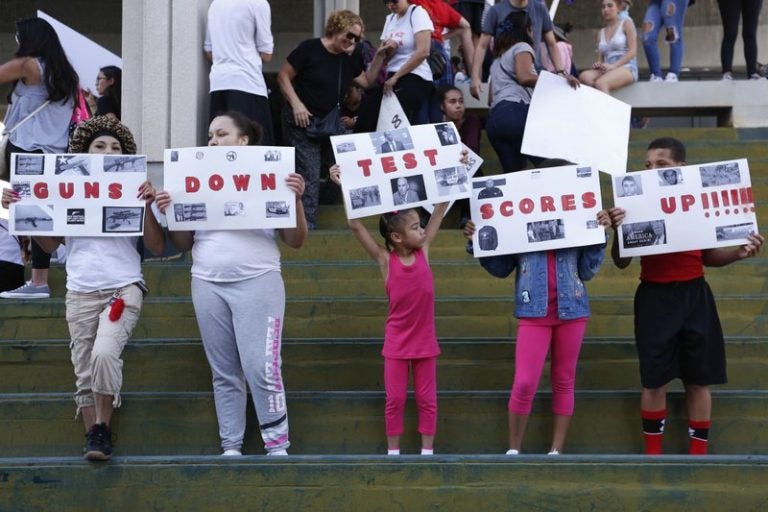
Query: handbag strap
{"points": [[31, 114], [510, 75], [338, 87]]}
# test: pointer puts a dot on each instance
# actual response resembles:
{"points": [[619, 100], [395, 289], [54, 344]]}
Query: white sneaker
{"points": [[554, 452], [512, 452], [393, 453], [278, 453], [655, 78], [728, 76], [671, 77], [28, 291], [231, 453], [755, 76]]}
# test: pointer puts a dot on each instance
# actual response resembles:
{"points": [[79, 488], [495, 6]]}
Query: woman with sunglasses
{"points": [[313, 79], [409, 29]]}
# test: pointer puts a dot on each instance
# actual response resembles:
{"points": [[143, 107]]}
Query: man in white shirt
{"points": [[238, 39]]}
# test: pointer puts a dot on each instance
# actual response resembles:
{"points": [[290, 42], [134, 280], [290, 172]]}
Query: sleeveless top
{"points": [[48, 130], [410, 328], [616, 48]]}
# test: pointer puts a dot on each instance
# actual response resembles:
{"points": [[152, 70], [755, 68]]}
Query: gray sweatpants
{"points": [[241, 325]]}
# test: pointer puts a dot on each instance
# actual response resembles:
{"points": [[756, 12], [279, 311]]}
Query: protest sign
{"points": [[584, 126], [405, 168], [536, 210], [685, 208], [77, 194], [229, 187]]}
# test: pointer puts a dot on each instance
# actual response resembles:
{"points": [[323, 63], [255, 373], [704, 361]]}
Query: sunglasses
{"points": [[353, 37]]}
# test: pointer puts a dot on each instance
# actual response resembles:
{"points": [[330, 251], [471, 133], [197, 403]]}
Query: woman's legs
{"points": [[614, 79], [257, 317], [412, 92], [651, 25], [505, 127], [214, 319], [308, 156], [673, 12], [530, 353], [730, 11], [749, 18], [566, 345]]}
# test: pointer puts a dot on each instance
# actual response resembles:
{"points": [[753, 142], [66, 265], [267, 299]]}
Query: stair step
{"points": [[353, 483], [363, 317], [355, 365], [41, 425]]}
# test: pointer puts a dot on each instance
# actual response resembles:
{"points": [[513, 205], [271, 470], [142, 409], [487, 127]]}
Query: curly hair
{"points": [[341, 21], [83, 135]]}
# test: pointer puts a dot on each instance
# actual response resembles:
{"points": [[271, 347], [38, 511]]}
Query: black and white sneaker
{"points": [[98, 443]]}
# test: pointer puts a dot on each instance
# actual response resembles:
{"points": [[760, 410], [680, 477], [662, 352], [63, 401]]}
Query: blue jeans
{"points": [[671, 14], [505, 127]]}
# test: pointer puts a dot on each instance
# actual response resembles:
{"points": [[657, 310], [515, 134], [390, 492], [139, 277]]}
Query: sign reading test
{"points": [[77, 194], [403, 168], [536, 210], [685, 208], [232, 187]]}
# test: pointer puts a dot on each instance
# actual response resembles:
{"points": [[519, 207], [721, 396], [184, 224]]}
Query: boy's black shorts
{"points": [[678, 334]]}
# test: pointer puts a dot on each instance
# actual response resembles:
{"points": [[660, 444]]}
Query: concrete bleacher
{"points": [[736, 103]]}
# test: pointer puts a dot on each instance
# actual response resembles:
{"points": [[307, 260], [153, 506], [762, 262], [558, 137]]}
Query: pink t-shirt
{"points": [[410, 328]]}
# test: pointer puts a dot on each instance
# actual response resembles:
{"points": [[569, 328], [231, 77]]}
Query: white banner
{"points": [[409, 167], [685, 208], [536, 210], [391, 115], [584, 126], [77, 194], [85, 56], [229, 187]]}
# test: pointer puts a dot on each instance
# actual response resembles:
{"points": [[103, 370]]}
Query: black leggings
{"points": [[412, 91], [40, 258], [730, 11]]}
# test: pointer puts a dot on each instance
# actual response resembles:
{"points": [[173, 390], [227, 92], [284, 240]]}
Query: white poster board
{"points": [[685, 208], [536, 210], [229, 187], [77, 194], [391, 115], [405, 168], [85, 56], [584, 126]]}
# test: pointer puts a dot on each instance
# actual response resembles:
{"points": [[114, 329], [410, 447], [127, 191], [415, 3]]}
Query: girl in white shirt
{"points": [[239, 300]]}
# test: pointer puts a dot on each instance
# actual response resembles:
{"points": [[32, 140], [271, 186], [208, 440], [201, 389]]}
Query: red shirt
{"points": [[669, 268], [442, 16]]}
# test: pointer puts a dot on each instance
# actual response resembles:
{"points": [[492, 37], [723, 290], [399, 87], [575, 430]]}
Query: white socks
{"points": [[393, 452], [424, 451]]}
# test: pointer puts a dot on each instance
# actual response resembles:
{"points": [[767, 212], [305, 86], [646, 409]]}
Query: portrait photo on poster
{"points": [[119, 219], [490, 188], [727, 173], [391, 141], [408, 190], [31, 165], [365, 197], [627, 186], [446, 132], [643, 234], [670, 177], [73, 165], [189, 212], [33, 218]]}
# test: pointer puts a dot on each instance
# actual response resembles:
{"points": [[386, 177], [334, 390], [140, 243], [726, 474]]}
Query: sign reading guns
{"points": [[77, 194], [233, 187], [685, 208]]}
